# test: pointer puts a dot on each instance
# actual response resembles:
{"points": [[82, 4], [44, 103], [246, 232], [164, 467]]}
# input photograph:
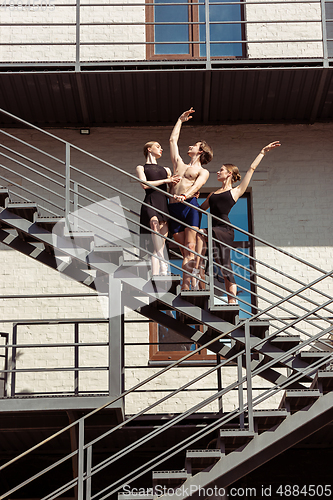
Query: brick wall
{"points": [[45, 31]]}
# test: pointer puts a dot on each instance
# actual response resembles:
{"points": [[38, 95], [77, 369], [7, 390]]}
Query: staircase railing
{"points": [[306, 304]]}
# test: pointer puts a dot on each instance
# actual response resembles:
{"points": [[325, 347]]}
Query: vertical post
{"points": [[207, 26], [248, 375], [88, 482], [80, 461], [210, 260], [219, 382], [116, 323], [240, 391], [77, 41], [68, 182], [76, 205], [324, 31], [76, 359], [13, 368]]}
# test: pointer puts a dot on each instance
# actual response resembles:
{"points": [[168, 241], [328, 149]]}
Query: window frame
{"points": [[194, 35]]}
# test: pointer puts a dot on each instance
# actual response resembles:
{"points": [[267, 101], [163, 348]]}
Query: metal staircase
{"points": [[284, 340]]}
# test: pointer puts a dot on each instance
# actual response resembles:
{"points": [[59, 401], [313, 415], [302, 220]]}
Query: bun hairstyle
{"points": [[146, 147], [207, 153], [236, 176]]}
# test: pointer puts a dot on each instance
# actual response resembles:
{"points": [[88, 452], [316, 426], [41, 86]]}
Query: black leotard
{"points": [[154, 198], [220, 205]]}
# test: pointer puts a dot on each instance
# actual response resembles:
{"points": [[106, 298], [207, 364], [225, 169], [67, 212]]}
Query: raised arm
{"points": [[238, 191], [174, 151]]}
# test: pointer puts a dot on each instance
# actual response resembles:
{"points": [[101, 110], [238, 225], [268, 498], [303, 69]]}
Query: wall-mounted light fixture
{"points": [[85, 131]]}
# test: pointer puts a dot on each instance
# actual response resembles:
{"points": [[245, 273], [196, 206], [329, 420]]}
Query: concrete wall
{"points": [[292, 209], [45, 31]]}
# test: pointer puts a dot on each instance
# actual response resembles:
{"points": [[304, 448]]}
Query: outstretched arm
{"points": [[174, 151], [238, 191]]}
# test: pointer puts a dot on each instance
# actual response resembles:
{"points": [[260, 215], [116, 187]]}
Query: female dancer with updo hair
{"points": [[220, 203], [149, 217]]}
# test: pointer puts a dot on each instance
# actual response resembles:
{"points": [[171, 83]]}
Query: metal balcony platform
{"points": [[56, 403]]}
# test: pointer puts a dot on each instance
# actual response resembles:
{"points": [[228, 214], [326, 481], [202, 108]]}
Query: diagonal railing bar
{"points": [[30, 160], [31, 169], [35, 149], [21, 197], [29, 191]]}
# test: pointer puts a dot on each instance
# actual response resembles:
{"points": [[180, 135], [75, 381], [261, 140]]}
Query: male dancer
{"points": [[193, 177]]}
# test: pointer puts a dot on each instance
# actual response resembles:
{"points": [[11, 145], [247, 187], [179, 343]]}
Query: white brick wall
{"points": [[292, 207], [281, 35], [54, 23]]}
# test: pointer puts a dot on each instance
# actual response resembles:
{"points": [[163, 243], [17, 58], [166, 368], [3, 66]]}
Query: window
{"points": [[169, 345], [187, 36]]}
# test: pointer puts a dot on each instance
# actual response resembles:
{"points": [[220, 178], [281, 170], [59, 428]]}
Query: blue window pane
{"points": [[222, 32], [171, 32], [239, 217]]}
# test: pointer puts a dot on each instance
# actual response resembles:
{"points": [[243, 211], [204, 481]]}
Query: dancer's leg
{"points": [[158, 244], [231, 288], [189, 260]]}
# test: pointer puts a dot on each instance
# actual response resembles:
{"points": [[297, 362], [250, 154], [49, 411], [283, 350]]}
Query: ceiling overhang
{"points": [[56, 98]]}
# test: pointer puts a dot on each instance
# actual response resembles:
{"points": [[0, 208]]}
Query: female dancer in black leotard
{"points": [[220, 203], [149, 217]]}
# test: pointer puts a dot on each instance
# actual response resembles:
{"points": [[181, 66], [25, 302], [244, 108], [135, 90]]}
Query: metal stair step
{"points": [[170, 478], [136, 496], [296, 399], [48, 223], [82, 239], [259, 328], [286, 342], [227, 312], [312, 356], [197, 297], [25, 210], [266, 419], [324, 380], [4, 196], [108, 253], [235, 438], [201, 459]]}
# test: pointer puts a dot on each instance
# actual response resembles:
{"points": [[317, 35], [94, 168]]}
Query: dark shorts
{"points": [[185, 214]]}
